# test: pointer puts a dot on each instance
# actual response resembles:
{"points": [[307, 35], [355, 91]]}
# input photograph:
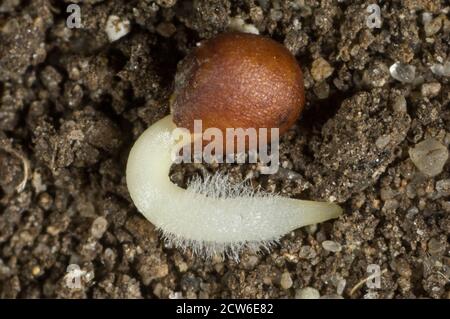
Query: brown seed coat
{"points": [[238, 80]]}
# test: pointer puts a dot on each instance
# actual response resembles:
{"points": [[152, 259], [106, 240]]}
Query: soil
{"points": [[72, 103]]}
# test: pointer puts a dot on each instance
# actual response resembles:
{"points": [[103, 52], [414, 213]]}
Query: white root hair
{"points": [[219, 186]]}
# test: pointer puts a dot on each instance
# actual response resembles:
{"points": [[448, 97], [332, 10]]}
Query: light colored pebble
{"points": [[441, 69], [430, 89], [117, 28], [322, 90], [238, 24], [311, 229], [332, 246], [429, 156], [182, 266], [341, 286], [36, 271], [307, 293], [443, 187], [376, 75], [404, 73], [371, 295], [250, 262], [307, 252], [382, 141], [157, 290], [435, 247], [286, 280], [399, 105], [176, 295], [321, 69], [432, 27], [276, 15], [36, 181], [426, 17], [99, 227]]}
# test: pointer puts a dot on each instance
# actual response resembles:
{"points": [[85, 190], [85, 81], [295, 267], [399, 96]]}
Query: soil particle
{"points": [[286, 281], [307, 293], [24, 36], [429, 156], [348, 147]]}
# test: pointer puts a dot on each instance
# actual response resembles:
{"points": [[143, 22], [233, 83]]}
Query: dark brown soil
{"points": [[72, 103]]}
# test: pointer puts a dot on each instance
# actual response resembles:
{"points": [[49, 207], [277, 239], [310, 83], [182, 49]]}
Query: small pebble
{"points": [[371, 295], [430, 89], [376, 75], [307, 293], [311, 229], [36, 181], [321, 69], [332, 246], [45, 201], [426, 17], [99, 227], [446, 206], [238, 24], [116, 28], [176, 295], [307, 252], [429, 156], [403, 72], [322, 90], [382, 141], [399, 105], [256, 14], [166, 29], [341, 286], [443, 187], [250, 262], [182, 267], [403, 268], [441, 69], [432, 27], [157, 290], [276, 15], [412, 212], [435, 247], [390, 205], [36, 271], [50, 77], [286, 280], [109, 257]]}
